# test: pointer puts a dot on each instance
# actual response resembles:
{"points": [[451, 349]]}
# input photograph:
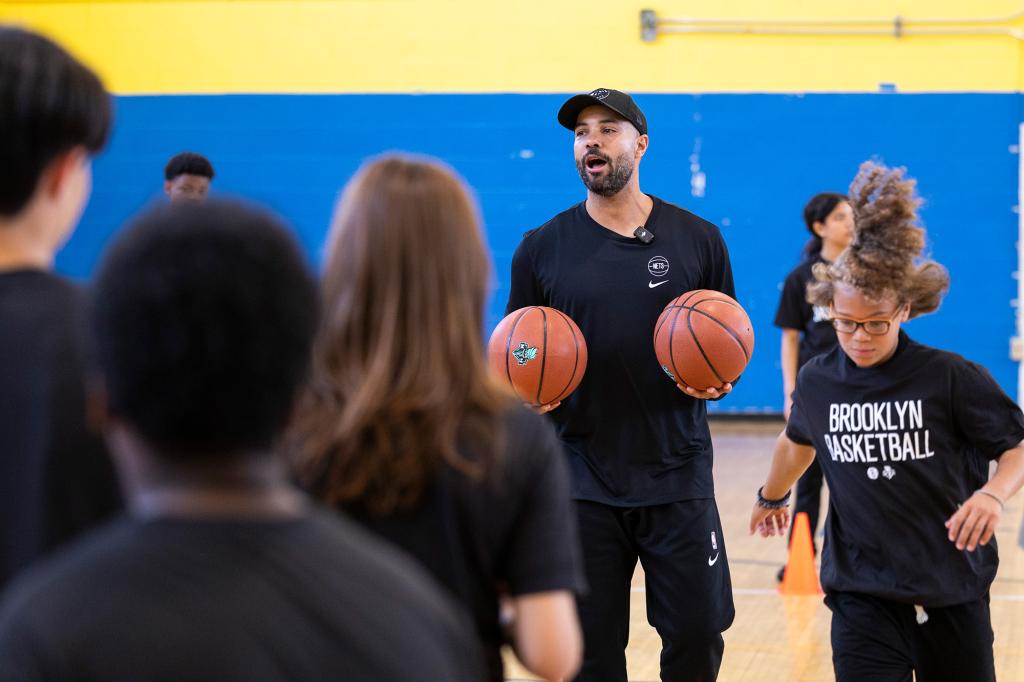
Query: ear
{"points": [[641, 146], [905, 314], [58, 171], [167, 187], [818, 228]]}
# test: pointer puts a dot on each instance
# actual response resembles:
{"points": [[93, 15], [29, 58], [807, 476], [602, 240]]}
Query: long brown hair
{"points": [[400, 383], [885, 255]]}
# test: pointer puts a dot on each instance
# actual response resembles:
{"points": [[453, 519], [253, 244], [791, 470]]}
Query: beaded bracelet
{"points": [[994, 497], [772, 504]]}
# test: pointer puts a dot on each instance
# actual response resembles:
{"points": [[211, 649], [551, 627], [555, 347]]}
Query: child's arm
{"points": [[975, 521], [789, 461]]}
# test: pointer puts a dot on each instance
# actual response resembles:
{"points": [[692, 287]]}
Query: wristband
{"points": [[994, 497], [772, 504]]}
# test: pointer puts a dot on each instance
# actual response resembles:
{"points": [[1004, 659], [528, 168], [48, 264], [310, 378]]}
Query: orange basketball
{"points": [[703, 339], [540, 352]]}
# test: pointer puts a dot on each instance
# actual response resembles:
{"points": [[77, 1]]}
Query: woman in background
{"points": [[806, 329], [404, 428]]}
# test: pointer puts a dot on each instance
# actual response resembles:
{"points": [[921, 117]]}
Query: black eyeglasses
{"points": [[873, 327]]}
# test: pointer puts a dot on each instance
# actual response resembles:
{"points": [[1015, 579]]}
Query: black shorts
{"points": [[879, 640], [688, 588]]}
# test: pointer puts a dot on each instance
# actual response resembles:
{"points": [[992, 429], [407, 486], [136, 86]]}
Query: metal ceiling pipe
{"points": [[651, 25]]}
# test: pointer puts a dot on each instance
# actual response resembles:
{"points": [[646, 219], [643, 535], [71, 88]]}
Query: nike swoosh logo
{"points": [[651, 285], [711, 562]]}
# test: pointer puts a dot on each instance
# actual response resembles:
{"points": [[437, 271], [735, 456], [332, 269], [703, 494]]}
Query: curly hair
{"points": [[884, 257]]}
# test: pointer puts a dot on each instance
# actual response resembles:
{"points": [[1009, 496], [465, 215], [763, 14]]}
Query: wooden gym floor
{"points": [[786, 639]]}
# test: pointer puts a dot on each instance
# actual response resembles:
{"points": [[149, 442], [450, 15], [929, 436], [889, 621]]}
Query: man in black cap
{"points": [[639, 447]]}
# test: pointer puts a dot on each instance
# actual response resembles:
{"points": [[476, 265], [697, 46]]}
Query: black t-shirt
{"points": [[633, 437], [902, 445], [56, 478], [312, 598], [513, 530], [816, 333]]}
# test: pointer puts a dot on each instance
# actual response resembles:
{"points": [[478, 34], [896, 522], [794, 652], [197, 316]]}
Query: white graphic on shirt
{"points": [[889, 431], [888, 472], [714, 541], [713, 560], [873, 473], [652, 284], [658, 266], [820, 314]]}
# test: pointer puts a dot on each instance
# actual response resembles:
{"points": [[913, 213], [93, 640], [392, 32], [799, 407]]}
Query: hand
{"points": [[543, 409], [974, 522], [506, 614], [769, 522], [709, 394]]}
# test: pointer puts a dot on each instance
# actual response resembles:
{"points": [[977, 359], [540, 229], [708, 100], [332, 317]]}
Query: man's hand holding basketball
{"points": [[543, 409], [711, 393]]}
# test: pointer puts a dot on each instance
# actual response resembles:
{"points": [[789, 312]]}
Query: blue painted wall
{"points": [[762, 156]]}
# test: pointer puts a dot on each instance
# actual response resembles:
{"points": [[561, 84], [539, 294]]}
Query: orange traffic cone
{"points": [[801, 576]]}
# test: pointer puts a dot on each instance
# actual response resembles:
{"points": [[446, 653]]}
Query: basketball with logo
{"points": [[703, 339], [540, 352]]}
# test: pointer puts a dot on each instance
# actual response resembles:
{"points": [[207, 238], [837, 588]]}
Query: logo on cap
{"points": [[600, 94]]}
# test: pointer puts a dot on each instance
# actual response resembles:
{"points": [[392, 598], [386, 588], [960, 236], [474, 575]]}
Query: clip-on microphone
{"points": [[643, 234]]}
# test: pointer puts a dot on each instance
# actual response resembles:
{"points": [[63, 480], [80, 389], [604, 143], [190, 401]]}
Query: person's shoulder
{"points": [[525, 428], [938, 360], [803, 272], [369, 566], [48, 288], [531, 451], [553, 227], [336, 534], [44, 591], [679, 217], [381, 577], [823, 365], [519, 418]]}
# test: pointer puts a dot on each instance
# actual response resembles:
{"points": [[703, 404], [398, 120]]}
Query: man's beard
{"points": [[612, 182]]}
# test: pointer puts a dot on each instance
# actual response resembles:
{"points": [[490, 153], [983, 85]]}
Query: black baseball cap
{"points": [[619, 102]]}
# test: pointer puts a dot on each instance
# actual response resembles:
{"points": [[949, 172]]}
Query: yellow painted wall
{"points": [[200, 46]]}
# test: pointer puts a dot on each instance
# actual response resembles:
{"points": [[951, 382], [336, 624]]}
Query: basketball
{"points": [[703, 339], [540, 352]]}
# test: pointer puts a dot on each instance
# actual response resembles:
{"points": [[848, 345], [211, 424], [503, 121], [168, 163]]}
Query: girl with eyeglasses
{"points": [[806, 329], [905, 435]]}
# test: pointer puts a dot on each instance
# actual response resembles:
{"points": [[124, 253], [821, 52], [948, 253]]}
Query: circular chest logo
{"points": [[658, 266], [873, 473]]}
